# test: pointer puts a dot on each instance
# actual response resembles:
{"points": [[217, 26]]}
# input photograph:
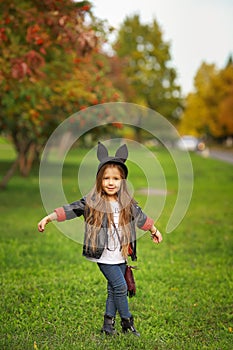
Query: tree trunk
{"points": [[26, 160], [9, 174]]}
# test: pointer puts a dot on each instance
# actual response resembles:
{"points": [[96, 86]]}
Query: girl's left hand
{"points": [[156, 237]]}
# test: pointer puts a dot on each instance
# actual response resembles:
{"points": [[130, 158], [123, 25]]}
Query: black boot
{"points": [[128, 324], [108, 326]]}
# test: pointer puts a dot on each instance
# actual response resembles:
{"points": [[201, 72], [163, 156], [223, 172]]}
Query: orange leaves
{"points": [[77, 60], [39, 41], [3, 36], [3, 30], [34, 116], [7, 20], [117, 125], [85, 8], [32, 33], [225, 113], [37, 36]]}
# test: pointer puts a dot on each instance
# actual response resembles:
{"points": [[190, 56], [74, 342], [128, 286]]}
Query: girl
{"points": [[111, 216]]}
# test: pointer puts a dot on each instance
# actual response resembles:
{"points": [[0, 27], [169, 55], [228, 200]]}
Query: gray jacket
{"points": [[78, 208]]}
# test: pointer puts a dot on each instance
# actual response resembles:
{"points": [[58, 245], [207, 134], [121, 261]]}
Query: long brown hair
{"points": [[98, 205]]}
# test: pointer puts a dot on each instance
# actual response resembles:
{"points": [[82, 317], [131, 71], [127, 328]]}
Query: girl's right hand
{"points": [[43, 223]]}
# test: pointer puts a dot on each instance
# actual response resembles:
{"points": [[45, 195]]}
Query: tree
{"points": [[225, 113], [146, 63], [208, 110], [50, 67], [200, 106]]}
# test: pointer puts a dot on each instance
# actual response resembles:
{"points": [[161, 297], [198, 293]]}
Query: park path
{"points": [[226, 156]]}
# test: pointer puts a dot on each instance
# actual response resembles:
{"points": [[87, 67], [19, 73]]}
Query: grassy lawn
{"points": [[52, 298]]}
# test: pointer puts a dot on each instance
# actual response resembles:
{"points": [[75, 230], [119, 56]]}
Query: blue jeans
{"points": [[117, 290]]}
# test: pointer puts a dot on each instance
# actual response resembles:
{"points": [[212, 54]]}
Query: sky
{"points": [[197, 30]]}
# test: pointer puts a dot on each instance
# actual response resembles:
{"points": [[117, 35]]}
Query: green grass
{"points": [[52, 296]]}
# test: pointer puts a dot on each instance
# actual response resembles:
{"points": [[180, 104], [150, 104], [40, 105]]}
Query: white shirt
{"points": [[112, 252]]}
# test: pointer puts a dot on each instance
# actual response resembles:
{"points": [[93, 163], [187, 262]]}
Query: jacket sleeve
{"points": [[142, 221], [71, 211]]}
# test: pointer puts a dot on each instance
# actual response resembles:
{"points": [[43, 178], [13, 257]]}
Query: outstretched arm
{"points": [[156, 235], [147, 224], [43, 222]]}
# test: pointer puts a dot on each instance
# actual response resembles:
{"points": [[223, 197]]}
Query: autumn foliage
{"points": [[50, 67], [209, 109]]}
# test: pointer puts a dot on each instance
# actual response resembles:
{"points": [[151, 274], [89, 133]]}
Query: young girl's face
{"points": [[111, 182]]}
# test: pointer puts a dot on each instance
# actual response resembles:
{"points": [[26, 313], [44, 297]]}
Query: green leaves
{"points": [[146, 64]]}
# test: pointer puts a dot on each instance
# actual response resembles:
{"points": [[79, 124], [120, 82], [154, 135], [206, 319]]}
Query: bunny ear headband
{"points": [[119, 158]]}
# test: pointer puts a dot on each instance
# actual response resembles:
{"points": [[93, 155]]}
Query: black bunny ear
{"points": [[122, 153], [102, 152]]}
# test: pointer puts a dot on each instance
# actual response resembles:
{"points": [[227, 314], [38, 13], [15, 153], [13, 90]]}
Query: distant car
{"points": [[190, 143]]}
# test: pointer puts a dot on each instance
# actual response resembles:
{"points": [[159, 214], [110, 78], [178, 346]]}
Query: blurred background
{"points": [[61, 57]]}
